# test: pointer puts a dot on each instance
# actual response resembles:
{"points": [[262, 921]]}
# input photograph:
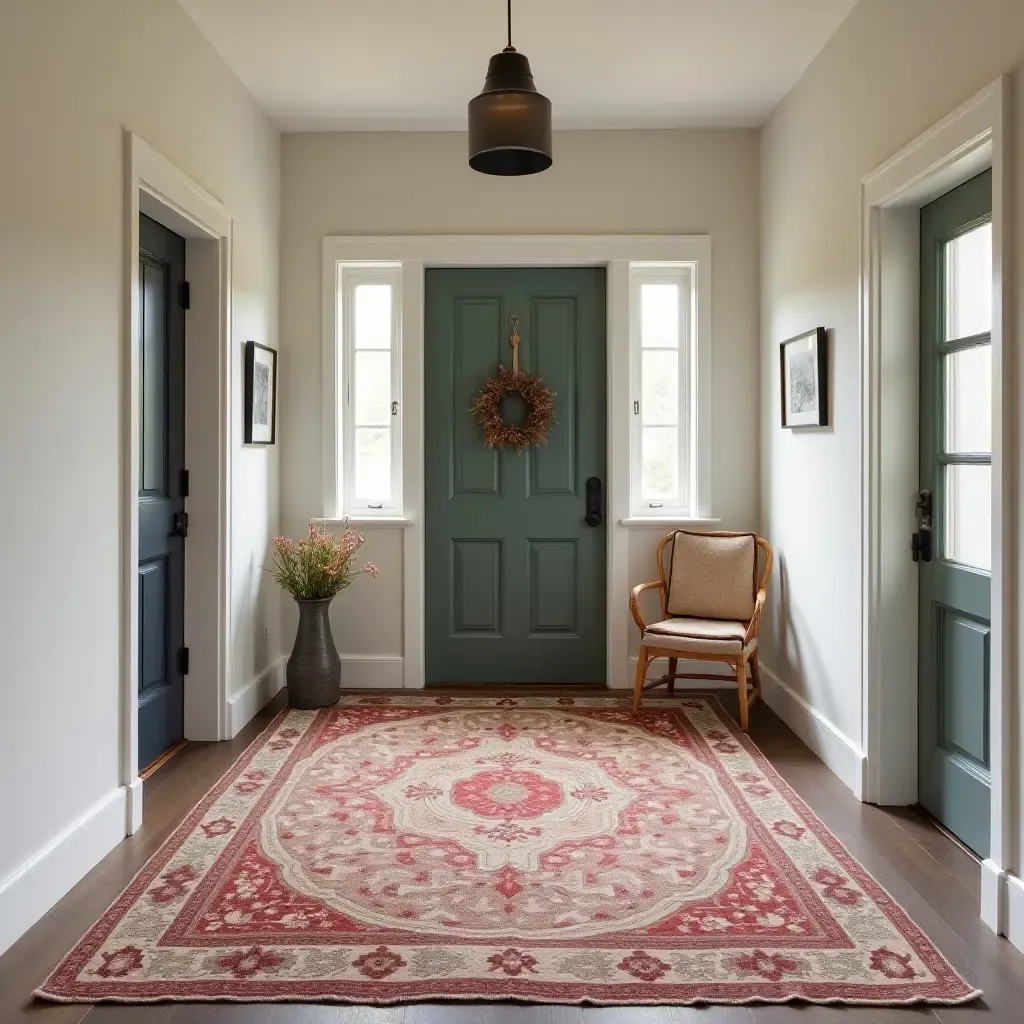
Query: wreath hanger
{"points": [[514, 341], [539, 399]]}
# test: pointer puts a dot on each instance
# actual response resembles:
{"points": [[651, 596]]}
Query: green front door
{"points": [[956, 471], [515, 578]]}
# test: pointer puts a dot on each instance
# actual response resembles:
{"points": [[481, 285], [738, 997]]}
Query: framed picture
{"points": [[260, 393], [803, 366]]}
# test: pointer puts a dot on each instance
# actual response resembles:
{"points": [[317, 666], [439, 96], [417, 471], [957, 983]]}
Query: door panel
{"points": [[161, 578], [515, 580], [956, 440]]}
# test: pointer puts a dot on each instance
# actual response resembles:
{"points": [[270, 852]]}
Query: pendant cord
{"points": [[510, 48]]}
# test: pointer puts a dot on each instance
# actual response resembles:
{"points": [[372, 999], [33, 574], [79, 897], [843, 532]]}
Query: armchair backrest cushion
{"points": [[712, 576]]}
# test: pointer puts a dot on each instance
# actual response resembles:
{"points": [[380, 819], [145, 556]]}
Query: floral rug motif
{"points": [[549, 849]]}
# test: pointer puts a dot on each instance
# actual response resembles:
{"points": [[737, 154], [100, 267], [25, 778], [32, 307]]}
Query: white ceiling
{"points": [[414, 64]]}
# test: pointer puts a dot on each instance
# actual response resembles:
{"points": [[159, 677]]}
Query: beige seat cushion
{"points": [[712, 577], [706, 636]]}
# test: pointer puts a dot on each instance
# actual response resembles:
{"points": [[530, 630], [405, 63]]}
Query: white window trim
{"points": [[685, 274], [349, 277], [616, 253]]}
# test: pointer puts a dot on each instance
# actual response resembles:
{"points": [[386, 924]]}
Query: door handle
{"points": [[595, 512], [179, 524], [921, 539]]}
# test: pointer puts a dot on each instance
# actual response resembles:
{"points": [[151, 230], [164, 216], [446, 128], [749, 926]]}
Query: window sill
{"points": [[669, 521], [364, 521]]}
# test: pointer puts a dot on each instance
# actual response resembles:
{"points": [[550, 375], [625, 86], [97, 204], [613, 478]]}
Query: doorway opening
{"points": [[970, 141], [162, 205]]}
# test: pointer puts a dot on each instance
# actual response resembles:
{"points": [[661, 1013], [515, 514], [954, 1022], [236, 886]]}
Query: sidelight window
{"points": [[370, 386], [663, 371]]}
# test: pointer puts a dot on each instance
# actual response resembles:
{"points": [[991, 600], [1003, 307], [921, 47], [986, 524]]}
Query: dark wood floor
{"points": [[929, 875]]}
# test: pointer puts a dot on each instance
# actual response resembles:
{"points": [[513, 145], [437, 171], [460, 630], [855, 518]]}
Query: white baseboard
{"points": [[1014, 929], [660, 667], [836, 750], [133, 807], [244, 704], [994, 895], [29, 891], [373, 671]]}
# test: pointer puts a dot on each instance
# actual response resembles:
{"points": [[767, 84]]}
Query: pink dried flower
{"points": [[320, 565]]}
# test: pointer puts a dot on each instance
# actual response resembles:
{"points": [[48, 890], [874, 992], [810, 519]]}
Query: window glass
{"points": [[659, 315], [968, 260], [968, 382], [968, 524]]}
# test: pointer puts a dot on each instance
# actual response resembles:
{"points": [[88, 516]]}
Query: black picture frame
{"points": [[811, 348], [260, 410]]}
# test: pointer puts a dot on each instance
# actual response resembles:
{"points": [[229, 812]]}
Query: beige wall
{"points": [[615, 182], [889, 73], [73, 76]]}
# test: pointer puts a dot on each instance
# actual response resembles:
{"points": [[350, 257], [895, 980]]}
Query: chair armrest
{"points": [[755, 620], [634, 605]]}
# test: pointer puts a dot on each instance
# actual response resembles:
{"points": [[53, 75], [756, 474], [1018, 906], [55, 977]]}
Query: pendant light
{"points": [[509, 122]]}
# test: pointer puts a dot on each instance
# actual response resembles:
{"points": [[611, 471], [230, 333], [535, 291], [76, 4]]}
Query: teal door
{"points": [[515, 578], [956, 471]]}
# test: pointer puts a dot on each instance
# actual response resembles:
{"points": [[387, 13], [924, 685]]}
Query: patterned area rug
{"points": [[547, 849]]}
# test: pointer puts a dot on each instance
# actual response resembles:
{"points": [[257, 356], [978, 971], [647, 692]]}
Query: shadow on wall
{"points": [[797, 663]]}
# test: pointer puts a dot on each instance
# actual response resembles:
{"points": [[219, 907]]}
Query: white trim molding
{"points": [[1012, 906], [416, 253], [157, 188], [974, 137], [836, 750], [243, 705], [30, 890]]}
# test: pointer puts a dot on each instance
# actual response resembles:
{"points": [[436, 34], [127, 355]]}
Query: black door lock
{"points": [[179, 525], [921, 539], [595, 515]]}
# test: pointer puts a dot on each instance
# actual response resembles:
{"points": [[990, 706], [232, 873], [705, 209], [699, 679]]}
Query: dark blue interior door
{"points": [[161, 582]]}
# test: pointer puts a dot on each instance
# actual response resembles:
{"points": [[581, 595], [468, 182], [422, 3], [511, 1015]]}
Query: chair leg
{"points": [[741, 685], [672, 663], [641, 675], [755, 673]]}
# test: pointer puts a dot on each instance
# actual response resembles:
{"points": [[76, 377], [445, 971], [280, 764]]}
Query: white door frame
{"points": [[155, 187], [615, 253], [974, 137]]}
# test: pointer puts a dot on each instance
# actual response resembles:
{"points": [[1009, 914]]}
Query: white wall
{"points": [[890, 72], [73, 76], [628, 182]]}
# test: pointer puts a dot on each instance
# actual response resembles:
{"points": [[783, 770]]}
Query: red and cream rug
{"points": [[547, 849]]}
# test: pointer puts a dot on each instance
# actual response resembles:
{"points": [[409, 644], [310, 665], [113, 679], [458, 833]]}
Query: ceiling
{"points": [[406, 65]]}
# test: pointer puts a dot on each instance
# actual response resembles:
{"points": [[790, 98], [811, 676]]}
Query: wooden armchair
{"points": [[712, 597]]}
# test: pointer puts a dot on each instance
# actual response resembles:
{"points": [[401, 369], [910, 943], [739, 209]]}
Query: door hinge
{"points": [[183, 661], [183, 484], [185, 295]]}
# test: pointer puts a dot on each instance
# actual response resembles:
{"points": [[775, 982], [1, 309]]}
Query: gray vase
{"points": [[314, 668]]}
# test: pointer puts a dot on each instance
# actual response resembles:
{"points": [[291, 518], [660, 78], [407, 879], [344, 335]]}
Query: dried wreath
{"points": [[540, 404]]}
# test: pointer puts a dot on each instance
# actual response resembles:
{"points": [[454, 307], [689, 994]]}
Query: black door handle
{"points": [[179, 525], [921, 539], [595, 513]]}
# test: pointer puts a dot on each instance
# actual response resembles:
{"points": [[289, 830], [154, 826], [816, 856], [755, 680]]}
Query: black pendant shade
{"points": [[509, 122]]}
